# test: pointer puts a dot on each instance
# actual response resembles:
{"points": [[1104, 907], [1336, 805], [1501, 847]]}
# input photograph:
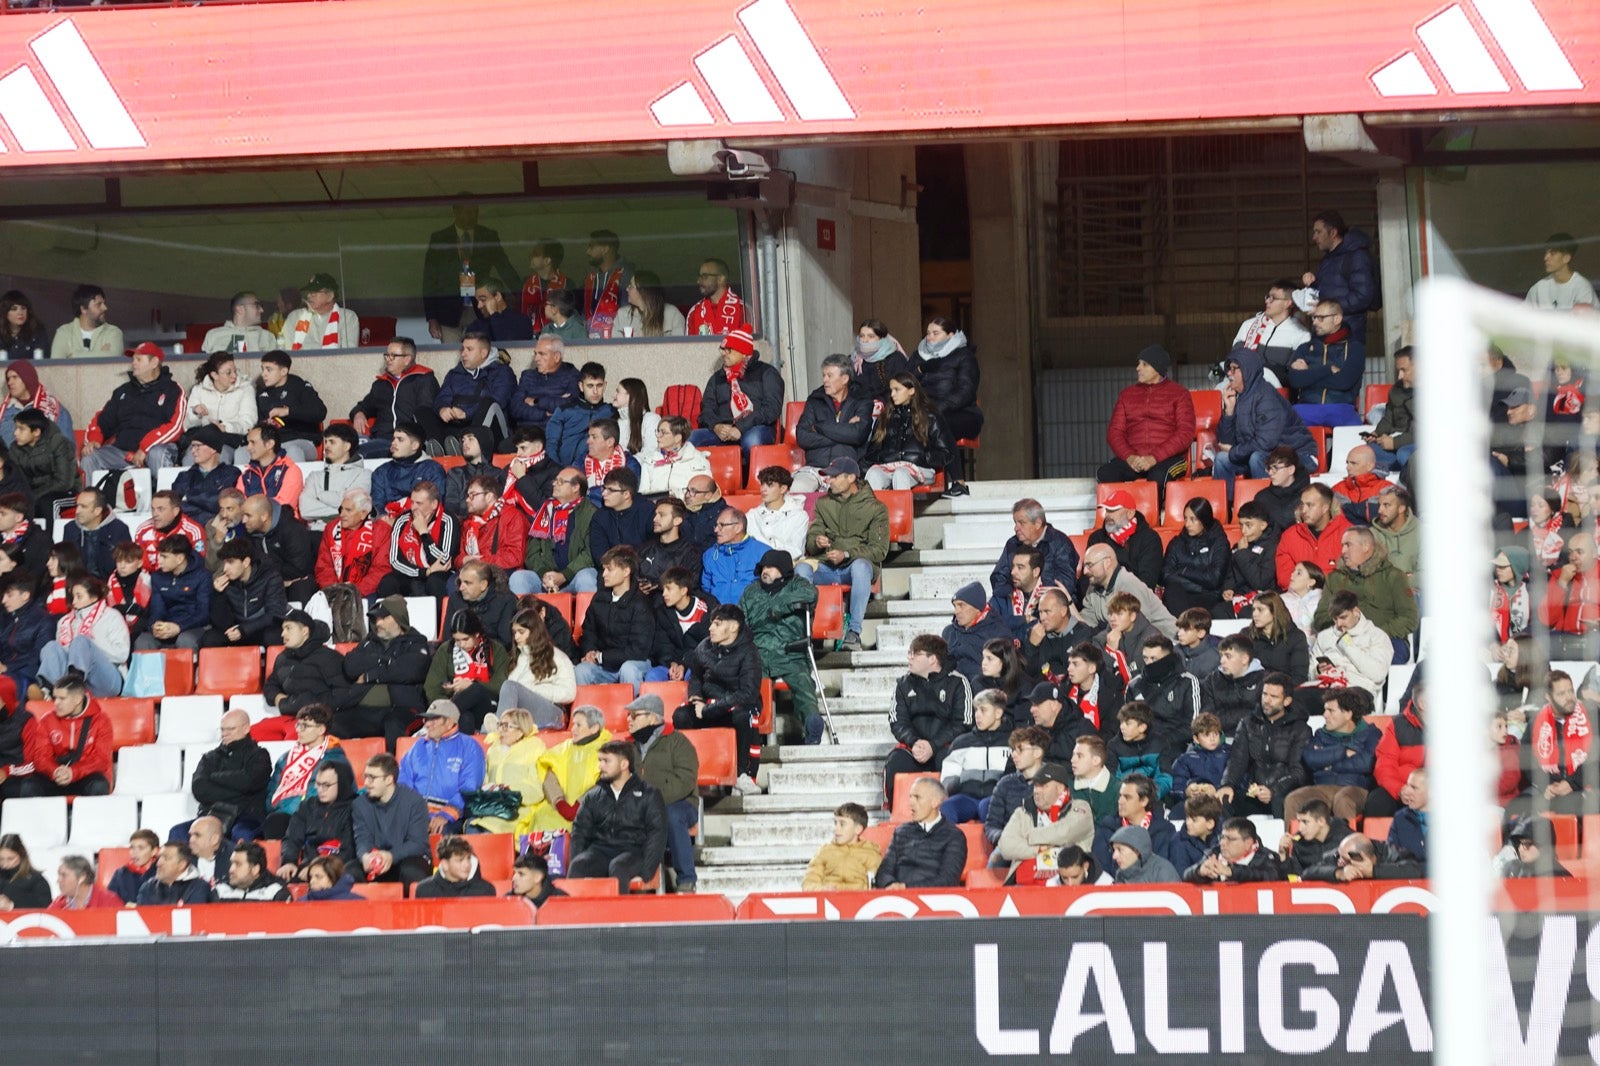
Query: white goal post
{"points": [[1455, 324]]}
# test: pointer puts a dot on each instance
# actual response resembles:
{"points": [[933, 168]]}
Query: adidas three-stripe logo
{"points": [[1457, 49], [73, 72], [738, 87]]}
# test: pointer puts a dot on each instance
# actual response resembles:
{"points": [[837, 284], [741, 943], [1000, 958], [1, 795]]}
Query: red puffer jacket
{"points": [[1153, 420]]}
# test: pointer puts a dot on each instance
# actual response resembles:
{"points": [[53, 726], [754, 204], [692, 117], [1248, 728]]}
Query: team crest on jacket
{"points": [[161, 401]]}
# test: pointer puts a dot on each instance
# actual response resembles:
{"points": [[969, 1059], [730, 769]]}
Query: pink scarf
{"points": [[330, 333]]}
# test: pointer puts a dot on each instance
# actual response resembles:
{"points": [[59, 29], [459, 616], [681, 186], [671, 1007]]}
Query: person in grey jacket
{"points": [[1137, 862], [391, 824], [342, 470]]}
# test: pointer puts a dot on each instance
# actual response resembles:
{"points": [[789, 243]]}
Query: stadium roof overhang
{"points": [[297, 84]]}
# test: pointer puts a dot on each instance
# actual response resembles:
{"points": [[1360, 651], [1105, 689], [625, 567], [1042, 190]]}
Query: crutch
{"points": [[816, 677]]}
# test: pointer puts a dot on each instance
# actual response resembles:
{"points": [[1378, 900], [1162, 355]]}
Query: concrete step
{"points": [[941, 583], [951, 557], [910, 608], [876, 657], [820, 777], [987, 532], [858, 706], [869, 682], [779, 854], [820, 802], [868, 730], [805, 754], [739, 881], [808, 830]]}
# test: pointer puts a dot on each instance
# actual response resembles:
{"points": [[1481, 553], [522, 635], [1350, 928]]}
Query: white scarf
{"points": [[956, 340]]}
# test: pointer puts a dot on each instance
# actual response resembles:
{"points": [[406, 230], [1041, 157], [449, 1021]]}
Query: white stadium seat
{"points": [[1399, 678], [41, 822], [252, 703], [276, 749], [161, 812], [191, 720], [424, 611], [192, 754], [102, 822], [166, 477], [149, 769]]}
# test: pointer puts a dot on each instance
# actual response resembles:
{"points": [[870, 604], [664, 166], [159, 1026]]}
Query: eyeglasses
{"points": [[475, 493], [305, 723], [727, 525], [610, 488]]}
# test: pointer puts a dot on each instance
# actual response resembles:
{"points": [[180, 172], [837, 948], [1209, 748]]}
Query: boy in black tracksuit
{"points": [[932, 706]]}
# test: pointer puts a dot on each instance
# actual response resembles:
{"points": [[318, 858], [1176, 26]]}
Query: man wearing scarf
{"points": [[26, 393], [743, 401], [605, 289], [1556, 752], [720, 311], [422, 547], [494, 532], [1048, 820], [321, 323], [558, 541], [1509, 603], [776, 605], [1326, 371], [355, 547], [1136, 546], [605, 454]]}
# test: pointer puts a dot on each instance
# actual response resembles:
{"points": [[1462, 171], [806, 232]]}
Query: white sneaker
{"points": [[747, 785], [491, 723]]}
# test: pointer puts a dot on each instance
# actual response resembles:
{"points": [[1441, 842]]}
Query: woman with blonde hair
{"points": [[512, 765]]}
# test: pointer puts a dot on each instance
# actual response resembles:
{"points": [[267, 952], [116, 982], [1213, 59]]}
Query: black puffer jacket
{"points": [[235, 776], [761, 383], [311, 673], [1290, 654], [674, 643], [253, 605], [827, 433], [315, 823], [401, 663], [1254, 567], [1267, 752], [495, 610], [875, 377], [1198, 565], [306, 409], [951, 382], [290, 546], [900, 443], [656, 558], [621, 630], [1232, 699], [1174, 699], [727, 677], [1280, 504], [936, 708], [635, 820]]}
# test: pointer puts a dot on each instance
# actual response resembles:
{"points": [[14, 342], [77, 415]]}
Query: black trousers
{"points": [[901, 761], [394, 584], [1165, 469], [602, 860], [39, 784], [964, 425]]}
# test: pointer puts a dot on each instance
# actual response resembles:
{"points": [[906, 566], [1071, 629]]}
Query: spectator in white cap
{"points": [[443, 764], [743, 401]]}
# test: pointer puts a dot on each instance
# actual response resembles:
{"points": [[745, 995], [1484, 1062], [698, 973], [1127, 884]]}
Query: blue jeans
{"points": [[1394, 460], [661, 673], [631, 673], [958, 809], [680, 846], [1328, 414], [105, 680], [858, 575], [704, 438], [522, 582]]}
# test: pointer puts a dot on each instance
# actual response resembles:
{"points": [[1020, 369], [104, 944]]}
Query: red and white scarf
{"points": [[56, 602], [1023, 603], [1567, 399], [739, 404], [360, 557], [719, 317], [45, 404], [297, 767], [469, 537], [601, 300], [76, 624], [412, 549], [534, 293], [330, 332], [1120, 537], [1511, 610], [595, 470], [550, 522], [16, 535], [1576, 733], [1028, 872], [470, 665], [1088, 702], [1547, 542], [666, 458]]}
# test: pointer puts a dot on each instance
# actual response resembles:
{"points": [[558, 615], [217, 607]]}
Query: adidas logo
{"points": [[34, 119], [1458, 50], [741, 93]]}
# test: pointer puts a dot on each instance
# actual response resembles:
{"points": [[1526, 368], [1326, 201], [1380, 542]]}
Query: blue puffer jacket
{"points": [[1347, 275], [199, 490], [549, 393], [183, 599], [1334, 366], [393, 481], [441, 770], [729, 568], [1196, 764], [566, 435], [1325, 757], [22, 637], [474, 390], [1262, 420]]}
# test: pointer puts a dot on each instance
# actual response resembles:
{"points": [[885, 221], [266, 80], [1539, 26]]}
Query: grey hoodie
{"points": [[1151, 868]]}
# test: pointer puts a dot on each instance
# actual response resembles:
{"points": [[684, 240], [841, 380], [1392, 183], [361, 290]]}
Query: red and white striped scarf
{"points": [[595, 470], [697, 611], [469, 538], [470, 665], [360, 548], [73, 624], [330, 332], [552, 519], [739, 404], [1577, 733]]}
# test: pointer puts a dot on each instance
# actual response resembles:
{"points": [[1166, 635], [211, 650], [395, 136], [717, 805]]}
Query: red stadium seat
{"points": [[586, 886], [1566, 836], [1245, 489], [1320, 435], [1591, 838], [879, 835], [765, 455], [377, 330], [1372, 396], [379, 890], [978, 846], [610, 699], [901, 524], [403, 746], [1080, 544], [495, 851], [272, 651], [580, 611], [674, 694], [828, 622], [1207, 408], [359, 749], [179, 670], [726, 464], [1376, 828], [1205, 443], [40, 708], [744, 501], [107, 862], [194, 336], [561, 601], [1167, 534], [1144, 499], [133, 721], [228, 671], [984, 877], [900, 809], [718, 752], [764, 720], [451, 462], [1383, 722], [791, 418], [552, 737], [1179, 493]]}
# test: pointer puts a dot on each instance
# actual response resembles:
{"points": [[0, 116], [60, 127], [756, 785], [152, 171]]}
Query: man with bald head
{"points": [[558, 540], [1048, 640], [211, 847], [1384, 591], [276, 534], [230, 782], [1357, 494], [703, 497], [1572, 601], [1107, 578]]}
